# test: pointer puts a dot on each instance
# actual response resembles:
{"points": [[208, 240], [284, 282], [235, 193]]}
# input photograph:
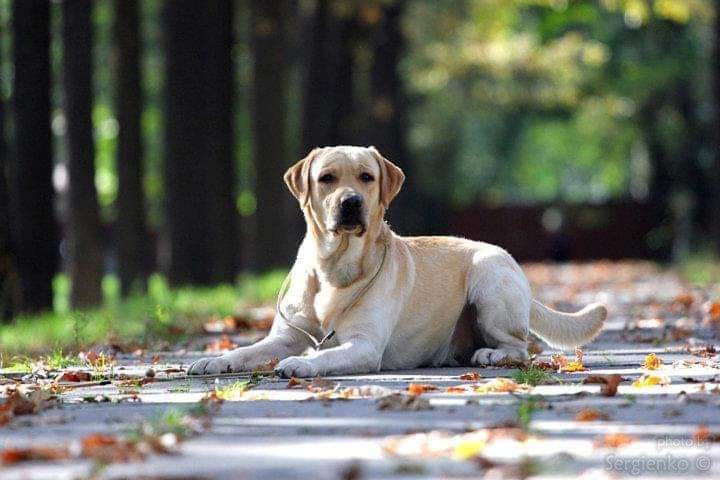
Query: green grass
{"points": [[701, 268], [162, 314], [526, 409], [532, 375]]}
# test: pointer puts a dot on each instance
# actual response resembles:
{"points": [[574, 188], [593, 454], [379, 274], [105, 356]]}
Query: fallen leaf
{"points": [[704, 435], [398, 401], [685, 299], [268, 366], [471, 376], [502, 385], [420, 388], [457, 389], [10, 456], [614, 440], [590, 415], [222, 344], [652, 362], [572, 367], [109, 449], [609, 383], [74, 376], [650, 381], [297, 382]]}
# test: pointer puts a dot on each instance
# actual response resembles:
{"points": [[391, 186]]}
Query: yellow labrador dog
{"points": [[367, 299]]}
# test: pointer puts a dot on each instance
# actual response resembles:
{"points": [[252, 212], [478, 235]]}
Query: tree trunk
{"points": [[32, 194], [388, 114], [273, 221], [9, 281], [186, 164], [220, 138], [133, 239], [714, 176], [85, 248]]}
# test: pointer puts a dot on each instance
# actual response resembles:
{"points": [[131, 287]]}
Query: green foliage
{"points": [[531, 375], [527, 408], [545, 100], [163, 313]]}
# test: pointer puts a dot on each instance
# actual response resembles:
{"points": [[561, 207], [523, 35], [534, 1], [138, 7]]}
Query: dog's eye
{"points": [[327, 178], [366, 177]]}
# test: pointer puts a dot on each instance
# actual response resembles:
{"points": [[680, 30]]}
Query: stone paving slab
{"points": [[272, 431]]}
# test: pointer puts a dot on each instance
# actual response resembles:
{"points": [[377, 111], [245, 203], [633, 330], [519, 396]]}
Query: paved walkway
{"points": [[353, 427]]}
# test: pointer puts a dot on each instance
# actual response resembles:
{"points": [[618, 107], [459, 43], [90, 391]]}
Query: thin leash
{"points": [[317, 344]]}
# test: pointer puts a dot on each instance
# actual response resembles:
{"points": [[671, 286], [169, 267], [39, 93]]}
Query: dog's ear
{"points": [[297, 178], [391, 178]]}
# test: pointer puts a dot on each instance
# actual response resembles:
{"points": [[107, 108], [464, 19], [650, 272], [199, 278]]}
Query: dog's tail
{"points": [[566, 330]]}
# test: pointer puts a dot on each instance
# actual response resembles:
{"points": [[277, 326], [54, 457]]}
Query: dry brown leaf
{"points": [[457, 389], [222, 344], [398, 401], [470, 376], [297, 382], [268, 366], [704, 435], [420, 388], [609, 383], [74, 376], [614, 440], [10, 456], [685, 299], [590, 415]]}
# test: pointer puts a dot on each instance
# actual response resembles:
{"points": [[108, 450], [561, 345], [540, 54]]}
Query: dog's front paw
{"points": [[495, 356], [212, 366], [296, 367]]}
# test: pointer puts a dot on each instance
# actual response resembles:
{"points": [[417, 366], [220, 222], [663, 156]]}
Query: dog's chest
{"points": [[329, 303]]}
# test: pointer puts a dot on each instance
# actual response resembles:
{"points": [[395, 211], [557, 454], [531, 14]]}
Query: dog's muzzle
{"points": [[350, 215]]}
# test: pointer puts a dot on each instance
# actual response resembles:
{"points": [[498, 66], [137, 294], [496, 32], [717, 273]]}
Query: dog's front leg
{"points": [[357, 355], [247, 359]]}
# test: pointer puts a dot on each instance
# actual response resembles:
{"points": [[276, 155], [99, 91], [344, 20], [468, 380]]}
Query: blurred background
{"points": [[142, 143]]}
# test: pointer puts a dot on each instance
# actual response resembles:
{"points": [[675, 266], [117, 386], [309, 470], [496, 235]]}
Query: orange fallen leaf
{"points": [[420, 388], [685, 299], [614, 440], [704, 435], [590, 415], [297, 382], [10, 456], [471, 376], [222, 344], [652, 362], [456, 389]]}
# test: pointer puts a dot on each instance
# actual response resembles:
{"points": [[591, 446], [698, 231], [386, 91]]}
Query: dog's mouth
{"points": [[353, 226]]}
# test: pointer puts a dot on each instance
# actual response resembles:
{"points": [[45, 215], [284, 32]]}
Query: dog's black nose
{"points": [[351, 203]]}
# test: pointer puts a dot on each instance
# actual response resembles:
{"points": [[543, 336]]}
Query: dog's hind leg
{"points": [[501, 295]]}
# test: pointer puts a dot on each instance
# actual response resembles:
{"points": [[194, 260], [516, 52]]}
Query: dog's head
{"points": [[345, 188]]}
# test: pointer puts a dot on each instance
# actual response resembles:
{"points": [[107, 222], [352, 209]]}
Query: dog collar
{"points": [[317, 344]]}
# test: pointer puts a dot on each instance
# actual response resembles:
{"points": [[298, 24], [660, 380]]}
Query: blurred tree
{"points": [[387, 128], [133, 241], [35, 231], [714, 177], [269, 108], [328, 76], [85, 248], [220, 128], [9, 287], [186, 161]]}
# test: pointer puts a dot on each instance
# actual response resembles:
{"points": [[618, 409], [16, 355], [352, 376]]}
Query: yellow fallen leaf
{"points": [[652, 362], [650, 381], [470, 446], [573, 366]]}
